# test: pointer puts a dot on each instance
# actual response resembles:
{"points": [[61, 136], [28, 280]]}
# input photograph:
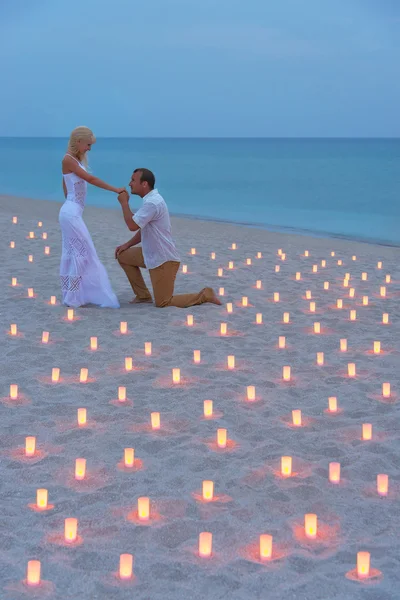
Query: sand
{"points": [[251, 497]]}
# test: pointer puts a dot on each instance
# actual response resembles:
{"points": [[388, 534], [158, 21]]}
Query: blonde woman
{"points": [[84, 279]]}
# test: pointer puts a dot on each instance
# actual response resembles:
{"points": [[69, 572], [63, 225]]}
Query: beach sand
{"points": [[251, 497]]}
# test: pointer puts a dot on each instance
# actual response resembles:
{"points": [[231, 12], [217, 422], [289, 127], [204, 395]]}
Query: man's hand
{"points": [[121, 248], [123, 197]]}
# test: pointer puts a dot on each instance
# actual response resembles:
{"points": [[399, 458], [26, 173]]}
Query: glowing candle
{"points": [[44, 235], [30, 446], [208, 408], [121, 393], [221, 438], [345, 283], [306, 253], [47, 250], [176, 375], [354, 257], [382, 484], [276, 296], [385, 318], [332, 253], [53, 300], [351, 292], [233, 247], [129, 457], [365, 300], [353, 315], [40, 223], [123, 327], [15, 220], [286, 466], [231, 362], [310, 526], [93, 343], [332, 404], [323, 263], [125, 566], [184, 268], [334, 472], [30, 292], [12, 244], [386, 390], [230, 265], [251, 392], [13, 329], [70, 530], [193, 251], [70, 314], [298, 276], [277, 268], [265, 546], [223, 328], [317, 327], [339, 303], [308, 294], [189, 320], [296, 417], [259, 318], [382, 291], [31, 235], [147, 348], [340, 262], [379, 265], [351, 370], [259, 255], [82, 416], [196, 356], [279, 251], [377, 347], [229, 307], [312, 307], [366, 431], [220, 272], [144, 508], [205, 544], [30, 258], [364, 276], [282, 342], [286, 373], [212, 255], [128, 363], [80, 469], [33, 572], [315, 268], [387, 279], [248, 261], [208, 490], [326, 285], [347, 276], [155, 420], [286, 317], [84, 375], [55, 374], [258, 284], [343, 345], [13, 391], [320, 358], [283, 256], [41, 498], [245, 301], [221, 291], [363, 564]]}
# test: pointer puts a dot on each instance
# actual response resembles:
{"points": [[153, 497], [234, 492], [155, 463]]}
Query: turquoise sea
{"points": [[336, 187]]}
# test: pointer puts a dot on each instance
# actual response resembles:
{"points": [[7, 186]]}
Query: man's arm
{"points": [[137, 238]]}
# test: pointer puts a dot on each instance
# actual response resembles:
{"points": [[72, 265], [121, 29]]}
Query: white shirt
{"points": [[153, 219]]}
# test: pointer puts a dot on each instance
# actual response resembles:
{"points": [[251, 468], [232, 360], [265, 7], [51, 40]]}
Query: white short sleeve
{"points": [[145, 214]]}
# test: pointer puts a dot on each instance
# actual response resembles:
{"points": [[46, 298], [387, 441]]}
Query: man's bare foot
{"points": [[137, 300], [214, 299]]}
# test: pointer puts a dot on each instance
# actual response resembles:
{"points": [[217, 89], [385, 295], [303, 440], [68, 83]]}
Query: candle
{"points": [[382, 484], [363, 564], [128, 363], [282, 342], [208, 490], [339, 303], [298, 276], [147, 348], [221, 291], [176, 375], [30, 446], [345, 283], [55, 374], [189, 320], [82, 416], [354, 257], [326, 285], [233, 247], [30, 292], [306, 253], [377, 347], [366, 431], [320, 358], [84, 375], [334, 472], [33, 572], [220, 272], [223, 328], [15, 220], [258, 284], [12, 244], [351, 369], [277, 268], [193, 251], [286, 466], [387, 279], [80, 469], [315, 268], [286, 373], [265, 546], [70, 314], [40, 223], [286, 317], [343, 345], [259, 318], [196, 356], [323, 263], [340, 262], [208, 408], [386, 390], [44, 235], [144, 508], [353, 315], [184, 268], [352, 291], [30, 257], [382, 291], [379, 265], [332, 253], [31, 235], [296, 417], [212, 255], [70, 530], [231, 362], [283, 256], [53, 300], [42, 499], [332, 404], [123, 327], [245, 301], [364, 276], [308, 294], [230, 265], [248, 261], [47, 249], [13, 329], [259, 255], [125, 566], [347, 276], [155, 420], [229, 307], [276, 296], [365, 300], [13, 391], [385, 318], [129, 457], [310, 526], [205, 544], [221, 438], [121, 393], [312, 307], [251, 392], [317, 327], [93, 343], [279, 251]]}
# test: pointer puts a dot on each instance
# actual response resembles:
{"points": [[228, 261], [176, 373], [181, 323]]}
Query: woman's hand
{"points": [[120, 190]]}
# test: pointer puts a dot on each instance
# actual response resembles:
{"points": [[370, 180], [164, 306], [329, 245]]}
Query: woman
{"points": [[83, 278]]}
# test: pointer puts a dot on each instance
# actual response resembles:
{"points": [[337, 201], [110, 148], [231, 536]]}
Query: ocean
{"points": [[332, 187]]}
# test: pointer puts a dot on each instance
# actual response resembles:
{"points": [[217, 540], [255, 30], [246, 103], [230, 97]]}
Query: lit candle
{"points": [[298, 276], [205, 544], [306, 253], [40, 223], [208, 408], [221, 438], [312, 307], [385, 318], [365, 300], [229, 307], [382, 484], [386, 390], [363, 564], [70, 314], [286, 373], [208, 490], [323, 263], [30, 292], [364, 276], [332, 253], [128, 363], [184, 268], [30, 446], [31, 235], [70, 530], [123, 327], [84, 375], [13, 329], [332, 404], [339, 303], [245, 301], [258, 284], [387, 279], [317, 327], [223, 328], [33, 572], [80, 469], [125, 566], [42, 499], [383, 291], [377, 347], [283, 256], [343, 345], [259, 255], [30, 258], [379, 265], [176, 375], [121, 393], [248, 261], [282, 342], [129, 457], [53, 300], [286, 466], [231, 362], [351, 292], [144, 508], [276, 296], [326, 285], [259, 318], [265, 546], [354, 257], [155, 420], [15, 220], [320, 358], [277, 268], [221, 291], [147, 348], [212, 255], [296, 417], [12, 244], [251, 392], [279, 251], [347, 276], [334, 472], [189, 320], [315, 268], [310, 526], [233, 247], [230, 265], [220, 272], [346, 283], [286, 317], [308, 294], [44, 235], [340, 262], [193, 251], [55, 374], [13, 391], [351, 369], [93, 343], [196, 356], [47, 249], [366, 431], [82, 416]]}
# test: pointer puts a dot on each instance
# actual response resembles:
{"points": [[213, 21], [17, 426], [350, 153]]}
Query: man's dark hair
{"points": [[148, 176]]}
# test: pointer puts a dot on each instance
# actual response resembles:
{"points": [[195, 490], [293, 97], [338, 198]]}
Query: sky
{"points": [[200, 68]]}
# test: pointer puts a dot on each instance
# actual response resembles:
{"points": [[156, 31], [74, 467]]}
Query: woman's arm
{"points": [[64, 188], [71, 166]]}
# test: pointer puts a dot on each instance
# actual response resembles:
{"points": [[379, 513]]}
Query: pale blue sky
{"points": [[200, 67]]}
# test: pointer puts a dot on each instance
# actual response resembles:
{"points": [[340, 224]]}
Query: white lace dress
{"points": [[84, 279]]}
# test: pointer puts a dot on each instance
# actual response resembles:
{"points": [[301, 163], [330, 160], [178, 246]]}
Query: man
{"points": [[158, 252]]}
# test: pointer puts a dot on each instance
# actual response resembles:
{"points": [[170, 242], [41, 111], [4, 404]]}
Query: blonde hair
{"points": [[80, 133]]}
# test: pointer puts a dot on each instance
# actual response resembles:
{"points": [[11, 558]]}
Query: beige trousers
{"points": [[162, 280]]}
